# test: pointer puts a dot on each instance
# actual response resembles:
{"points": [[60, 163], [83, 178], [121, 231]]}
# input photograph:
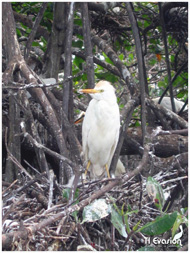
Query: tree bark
{"points": [[67, 88], [163, 145], [87, 45], [12, 50], [141, 69], [56, 42]]}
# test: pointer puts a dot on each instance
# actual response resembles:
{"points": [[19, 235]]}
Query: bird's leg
{"points": [[107, 170], [87, 167]]}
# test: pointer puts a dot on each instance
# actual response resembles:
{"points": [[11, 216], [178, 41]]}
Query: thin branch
{"points": [[104, 64], [34, 30], [68, 59], [172, 81], [164, 35], [87, 45], [171, 115], [20, 86], [102, 44], [15, 161], [8, 238], [47, 150], [141, 68], [129, 108]]}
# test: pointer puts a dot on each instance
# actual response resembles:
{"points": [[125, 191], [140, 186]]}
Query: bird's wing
{"points": [[114, 146], [86, 126]]}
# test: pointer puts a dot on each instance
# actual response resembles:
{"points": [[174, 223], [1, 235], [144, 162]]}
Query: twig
{"points": [[112, 237], [34, 30], [129, 108], [17, 86], [164, 35], [181, 132], [15, 161], [47, 150], [172, 81], [51, 178], [174, 180], [8, 238], [10, 186], [62, 221], [171, 115], [141, 68]]}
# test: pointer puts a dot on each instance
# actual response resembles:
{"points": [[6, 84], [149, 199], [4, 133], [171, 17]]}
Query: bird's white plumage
{"points": [[100, 129], [166, 102]]}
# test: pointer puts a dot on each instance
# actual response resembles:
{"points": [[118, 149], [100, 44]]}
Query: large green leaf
{"points": [[159, 225], [155, 192], [179, 220], [117, 221]]}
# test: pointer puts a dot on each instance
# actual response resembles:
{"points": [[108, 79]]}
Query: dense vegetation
{"points": [[50, 51]]}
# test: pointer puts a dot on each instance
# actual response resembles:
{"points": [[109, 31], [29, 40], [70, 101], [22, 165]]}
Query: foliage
{"points": [[146, 14], [127, 214]]}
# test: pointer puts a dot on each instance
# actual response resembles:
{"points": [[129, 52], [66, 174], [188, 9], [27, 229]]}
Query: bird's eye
{"points": [[101, 90]]}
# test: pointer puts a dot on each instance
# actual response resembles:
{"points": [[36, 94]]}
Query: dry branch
{"points": [[28, 231]]}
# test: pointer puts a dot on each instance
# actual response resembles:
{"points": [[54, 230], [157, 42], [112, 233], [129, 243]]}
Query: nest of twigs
{"points": [[37, 216]]}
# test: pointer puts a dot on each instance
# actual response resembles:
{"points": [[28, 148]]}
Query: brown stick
{"points": [[8, 238]]}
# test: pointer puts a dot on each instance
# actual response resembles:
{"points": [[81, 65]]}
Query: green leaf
{"points": [[176, 225], [44, 40], [107, 76], [137, 124], [78, 21], [172, 58], [97, 210], [107, 59], [146, 24], [66, 193], [35, 44], [162, 84], [19, 34], [159, 225], [128, 48], [131, 57], [152, 61], [78, 62], [121, 57], [117, 221], [179, 220], [136, 226], [78, 43], [155, 192]]}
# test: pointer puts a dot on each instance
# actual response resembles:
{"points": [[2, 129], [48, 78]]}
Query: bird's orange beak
{"points": [[90, 91], [79, 120]]}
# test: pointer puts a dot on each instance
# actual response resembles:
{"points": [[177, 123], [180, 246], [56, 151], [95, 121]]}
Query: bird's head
{"points": [[103, 90]]}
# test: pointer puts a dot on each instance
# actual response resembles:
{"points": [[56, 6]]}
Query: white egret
{"points": [[166, 102], [100, 129], [120, 169]]}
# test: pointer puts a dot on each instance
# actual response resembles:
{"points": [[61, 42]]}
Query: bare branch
{"points": [[34, 30], [87, 45]]}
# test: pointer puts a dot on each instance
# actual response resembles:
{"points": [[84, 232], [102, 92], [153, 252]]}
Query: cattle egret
{"points": [[166, 102], [120, 169], [100, 129]]}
